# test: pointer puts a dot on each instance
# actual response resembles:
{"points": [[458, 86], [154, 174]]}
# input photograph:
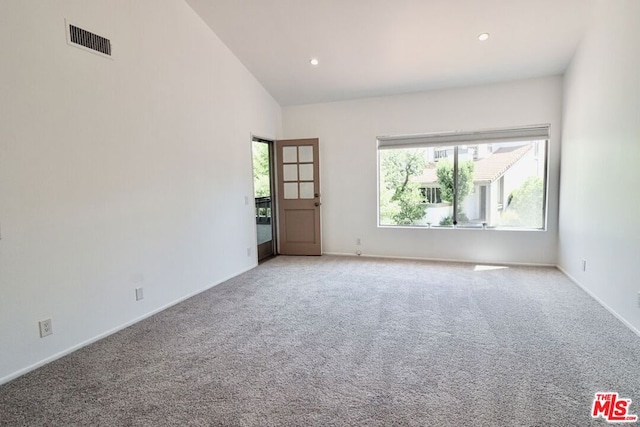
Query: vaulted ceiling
{"points": [[382, 47]]}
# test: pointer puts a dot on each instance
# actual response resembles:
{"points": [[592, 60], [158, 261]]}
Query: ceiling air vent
{"points": [[83, 38]]}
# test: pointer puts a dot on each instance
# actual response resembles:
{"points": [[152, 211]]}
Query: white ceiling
{"points": [[382, 47]]}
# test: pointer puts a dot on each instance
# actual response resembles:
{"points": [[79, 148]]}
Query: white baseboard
{"points": [[463, 261], [98, 337], [599, 301]]}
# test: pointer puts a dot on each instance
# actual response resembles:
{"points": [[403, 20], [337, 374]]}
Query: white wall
{"points": [[601, 160], [117, 173], [348, 130]]}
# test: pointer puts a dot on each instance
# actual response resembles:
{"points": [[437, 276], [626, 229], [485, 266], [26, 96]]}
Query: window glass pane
{"points": [[523, 186]]}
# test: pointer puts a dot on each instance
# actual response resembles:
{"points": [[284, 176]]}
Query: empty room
{"points": [[319, 212]]}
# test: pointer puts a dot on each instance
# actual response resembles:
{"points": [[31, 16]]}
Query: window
{"points": [[486, 179], [431, 195], [440, 154]]}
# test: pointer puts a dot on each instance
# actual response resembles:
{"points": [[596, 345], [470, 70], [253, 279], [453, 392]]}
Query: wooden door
{"points": [[298, 176]]}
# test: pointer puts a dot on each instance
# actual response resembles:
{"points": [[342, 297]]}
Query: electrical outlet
{"points": [[246, 200], [139, 294], [584, 265], [358, 241], [46, 327], [248, 251], [638, 299]]}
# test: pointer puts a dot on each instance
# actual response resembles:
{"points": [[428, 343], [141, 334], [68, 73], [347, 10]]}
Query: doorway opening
{"points": [[265, 201]]}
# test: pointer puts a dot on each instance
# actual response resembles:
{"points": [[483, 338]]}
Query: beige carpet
{"points": [[337, 341]]}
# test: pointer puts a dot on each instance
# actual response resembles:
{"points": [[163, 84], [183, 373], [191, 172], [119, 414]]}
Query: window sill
{"points": [[461, 227]]}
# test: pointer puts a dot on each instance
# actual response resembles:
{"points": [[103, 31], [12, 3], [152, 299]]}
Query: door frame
{"points": [[274, 198]]}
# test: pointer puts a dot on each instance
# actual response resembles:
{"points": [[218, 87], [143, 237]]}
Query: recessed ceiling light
{"points": [[314, 61], [484, 36]]}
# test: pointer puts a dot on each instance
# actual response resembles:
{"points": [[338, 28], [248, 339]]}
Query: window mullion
{"points": [[455, 185]]}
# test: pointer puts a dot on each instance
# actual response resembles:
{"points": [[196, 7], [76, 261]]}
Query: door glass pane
{"points": [[306, 190], [263, 219], [306, 172], [306, 154], [262, 190], [290, 190], [290, 173], [289, 154]]}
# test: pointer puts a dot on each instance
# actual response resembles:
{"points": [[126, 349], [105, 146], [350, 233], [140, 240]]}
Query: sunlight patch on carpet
{"points": [[489, 267]]}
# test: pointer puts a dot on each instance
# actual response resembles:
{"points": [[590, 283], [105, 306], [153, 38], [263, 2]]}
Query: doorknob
{"points": [[317, 195], [317, 204]]}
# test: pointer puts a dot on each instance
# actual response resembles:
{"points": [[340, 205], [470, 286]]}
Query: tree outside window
{"points": [[401, 200]]}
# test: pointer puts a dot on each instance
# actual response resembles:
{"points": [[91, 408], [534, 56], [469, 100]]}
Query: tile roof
{"points": [[493, 167], [485, 170]]}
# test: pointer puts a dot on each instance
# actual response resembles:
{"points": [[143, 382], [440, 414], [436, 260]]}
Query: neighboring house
{"points": [[498, 170]]}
